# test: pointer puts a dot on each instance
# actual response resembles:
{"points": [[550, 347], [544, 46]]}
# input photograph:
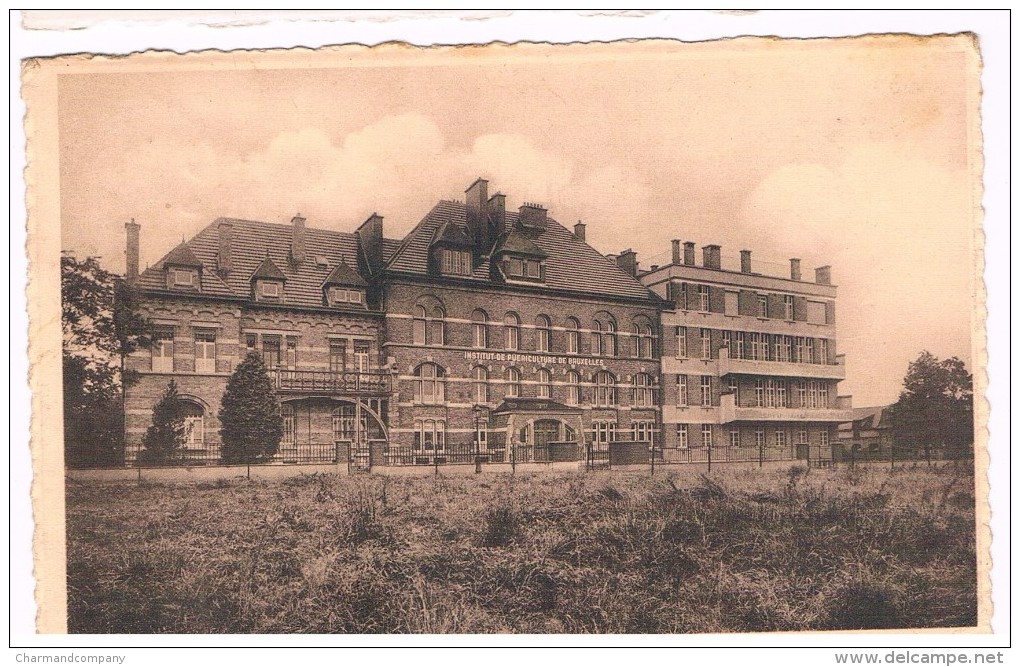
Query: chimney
{"points": [[689, 253], [532, 216], [745, 261], [497, 213], [678, 256], [627, 260], [297, 242], [712, 257], [370, 235], [579, 231], [131, 251], [226, 237], [794, 269], [823, 275], [475, 199]]}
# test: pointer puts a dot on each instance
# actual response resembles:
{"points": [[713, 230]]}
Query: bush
{"points": [[167, 434], [252, 425]]}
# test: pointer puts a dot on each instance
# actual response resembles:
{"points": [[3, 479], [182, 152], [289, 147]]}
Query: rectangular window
{"points": [[756, 347], [183, 278], [288, 427], [780, 438], [786, 349], [479, 337], [542, 340], [338, 294], [362, 355], [734, 389], [338, 356], [706, 343], [763, 305], [824, 438], [205, 351], [163, 351], [788, 307], [271, 352], [681, 391], [816, 312], [573, 341], [456, 262], [812, 394], [682, 436], [270, 289], [741, 352], [770, 393], [801, 394], [515, 267], [644, 431], [823, 351], [194, 428], [767, 347], [418, 333], [573, 392], [734, 438], [781, 394], [291, 358], [706, 435], [759, 393], [823, 395], [759, 438], [354, 296], [706, 390], [703, 298], [681, 342], [732, 303], [802, 438], [603, 432], [533, 269], [727, 341]]}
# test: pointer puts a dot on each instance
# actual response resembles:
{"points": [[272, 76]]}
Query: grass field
{"points": [[739, 550]]}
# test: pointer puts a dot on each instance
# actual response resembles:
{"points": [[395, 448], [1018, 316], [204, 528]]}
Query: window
{"points": [[681, 342], [812, 392], [544, 380], [679, 294], [480, 380], [766, 347], [573, 337], [786, 348], [755, 347], [644, 431], [573, 388], [727, 342], [354, 295], [605, 389], [732, 301], [362, 354], [706, 390], [706, 435], [770, 393], [734, 438], [759, 392], [781, 401], [337, 356], [271, 352], [763, 305], [514, 266], [823, 351], [429, 384], [788, 307], [456, 262], [706, 343], [183, 278], [512, 378], [604, 338], [512, 329], [205, 351], [480, 333], [251, 343], [270, 289], [420, 324], [823, 395], [741, 351], [759, 438], [645, 341], [644, 393], [436, 327], [801, 350], [287, 412], [682, 398], [816, 312], [682, 437], [780, 438], [802, 394], [703, 298], [163, 350], [603, 432], [429, 326], [533, 269], [429, 436], [824, 438], [734, 389], [543, 333], [194, 424], [802, 438], [291, 357]]}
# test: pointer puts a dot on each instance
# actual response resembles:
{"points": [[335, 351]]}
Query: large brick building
{"points": [[749, 361], [481, 328]]}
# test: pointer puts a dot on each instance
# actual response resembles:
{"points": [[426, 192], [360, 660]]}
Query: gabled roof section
{"points": [[876, 417], [518, 244], [451, 234], [182, 256], [343, 275], [268, 271]]}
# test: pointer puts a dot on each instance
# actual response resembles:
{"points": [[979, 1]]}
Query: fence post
{"points": [[710, 458], [513, 458], [653, 459], [761, 455]]}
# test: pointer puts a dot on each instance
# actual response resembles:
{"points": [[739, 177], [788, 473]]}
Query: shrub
{"points": [[167, 434], [252, 425]]}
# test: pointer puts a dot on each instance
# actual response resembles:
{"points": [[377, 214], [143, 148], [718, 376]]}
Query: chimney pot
{"points": [[226, 237], [689, 253], [794, 269], [579, 231], [297, 244], [131, 250], [677, 254], [745, 261]]}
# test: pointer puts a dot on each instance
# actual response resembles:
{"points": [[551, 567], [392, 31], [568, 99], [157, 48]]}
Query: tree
{"points": [[251, 423], [100, 326], [935, 410], [168, 432]]}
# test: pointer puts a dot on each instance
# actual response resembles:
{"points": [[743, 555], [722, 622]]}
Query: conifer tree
{"points": [[168, 432], [251, 423]]}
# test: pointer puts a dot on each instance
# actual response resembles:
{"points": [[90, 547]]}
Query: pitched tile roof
{"points": [[453, 234], [345, 276], [516, 242], [252, 243], [571, 265], [268, 270], [181, 256]]}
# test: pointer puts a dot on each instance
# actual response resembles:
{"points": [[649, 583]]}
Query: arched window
{"points": [[429, 384], [543, 333], [573, 388], [343, 422], [603, 337], [194, 424], [609, 339], [420, 324], [641, 339], [429, 325], [512, 327], [480, 334], [644, 392], [512, 378], [544, 383], [605, 389], [287, 412], [573, 337], [480, 381]]}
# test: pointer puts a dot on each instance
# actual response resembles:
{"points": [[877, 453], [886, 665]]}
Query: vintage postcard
{"points": [[644, 337]]}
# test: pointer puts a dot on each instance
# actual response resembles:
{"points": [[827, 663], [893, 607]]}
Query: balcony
{"points": [[332, 382], [836, 371], [729, 412]]}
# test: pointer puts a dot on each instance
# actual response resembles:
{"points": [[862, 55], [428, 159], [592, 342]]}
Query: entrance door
{"points": [[546, 431]]}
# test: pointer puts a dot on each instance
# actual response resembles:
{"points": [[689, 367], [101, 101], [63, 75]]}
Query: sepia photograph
{"points": [[627, 338]]}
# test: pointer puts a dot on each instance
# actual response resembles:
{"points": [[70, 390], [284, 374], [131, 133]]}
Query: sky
{"points": [[852, 153]]}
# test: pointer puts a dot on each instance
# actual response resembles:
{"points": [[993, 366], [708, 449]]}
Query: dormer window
{"points": [[340, 296], [523, 268], [269, 289], [183, 278], [456, 262]]}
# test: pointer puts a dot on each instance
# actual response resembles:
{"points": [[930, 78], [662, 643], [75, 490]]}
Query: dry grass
{"points": [[740, 550]]}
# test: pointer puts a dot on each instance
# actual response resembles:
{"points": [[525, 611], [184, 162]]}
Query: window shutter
{"points": [[800, 308], [777, 309], [717, 299], [830, 312], [748, 303]]}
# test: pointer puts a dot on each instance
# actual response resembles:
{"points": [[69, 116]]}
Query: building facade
{"points": [[483, 332], [750, 367]]}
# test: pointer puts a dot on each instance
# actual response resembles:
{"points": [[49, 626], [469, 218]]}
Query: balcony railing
{"points": [[333, 382], [836, 371], [730, 412]]}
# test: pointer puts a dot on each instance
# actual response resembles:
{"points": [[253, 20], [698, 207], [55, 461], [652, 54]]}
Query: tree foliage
{"points": [[165, 437], [935, 410], [251, 423], [100, 325]]}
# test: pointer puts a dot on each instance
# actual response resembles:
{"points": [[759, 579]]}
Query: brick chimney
{"points": [[627, 260], [823, 275], [745, 261], [794, 269], [297, 240], [225, 231], [370, 234], [496, 209], [475, 199], [712, 257], [532, 216], [689, 253], [579, 231], [678, 257], [133, 230]]}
